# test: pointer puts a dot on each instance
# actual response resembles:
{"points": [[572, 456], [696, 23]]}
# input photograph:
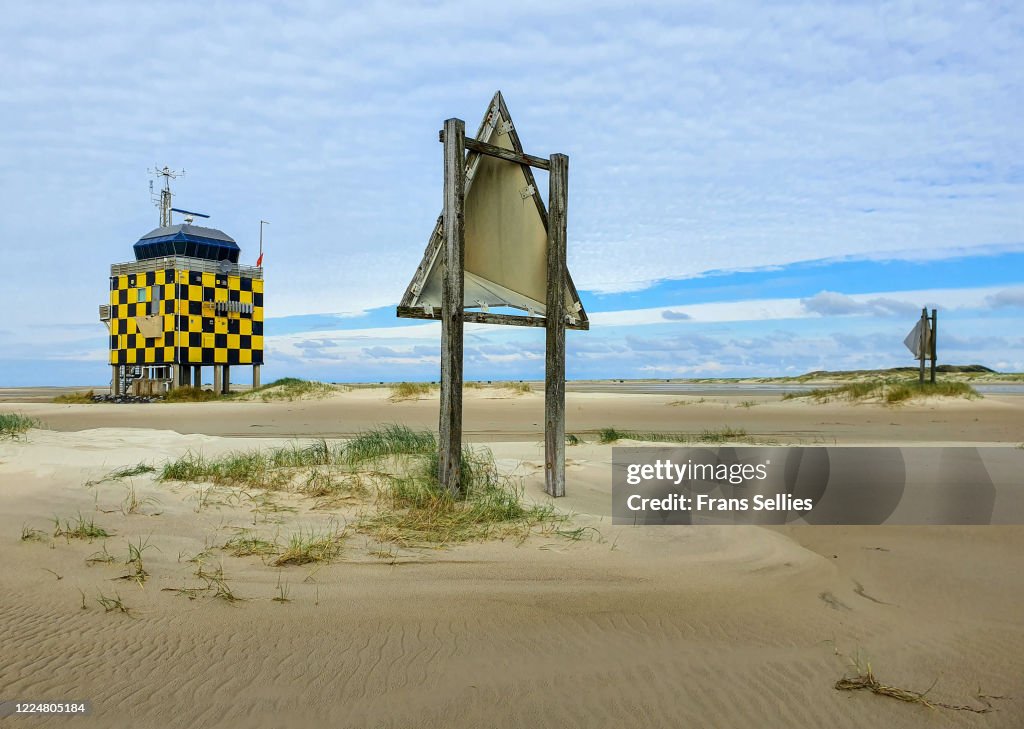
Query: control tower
{"points": [[183, 304]]}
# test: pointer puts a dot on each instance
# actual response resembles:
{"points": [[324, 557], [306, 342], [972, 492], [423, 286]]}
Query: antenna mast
{"points": [[164, 202]]}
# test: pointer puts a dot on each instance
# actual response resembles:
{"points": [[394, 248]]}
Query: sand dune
{"points": [[663, 627]]}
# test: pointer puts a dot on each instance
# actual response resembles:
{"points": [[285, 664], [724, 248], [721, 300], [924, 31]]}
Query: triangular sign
{"points": [[505, 238], [914, 340]]}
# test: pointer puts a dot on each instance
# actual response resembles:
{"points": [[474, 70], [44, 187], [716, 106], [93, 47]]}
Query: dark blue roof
{"points": [[187, 240]]}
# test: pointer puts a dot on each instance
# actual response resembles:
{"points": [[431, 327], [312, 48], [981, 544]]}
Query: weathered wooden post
{"points": [[554, 366], [934, 347], [923, 347], [449, 470]]}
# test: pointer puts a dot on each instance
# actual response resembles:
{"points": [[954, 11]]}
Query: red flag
{"points": [[259, 261]]}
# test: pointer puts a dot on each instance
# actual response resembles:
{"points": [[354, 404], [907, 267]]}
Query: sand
{"points": [[663, 627]]}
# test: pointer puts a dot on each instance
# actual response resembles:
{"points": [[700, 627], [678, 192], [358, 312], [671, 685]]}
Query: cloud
{"points": [[673, 315], [830, 303], [1006, 299]]}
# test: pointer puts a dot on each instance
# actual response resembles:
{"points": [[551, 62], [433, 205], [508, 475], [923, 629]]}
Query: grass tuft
{"points": [[217, 583], [188, 393], [864, 679], [409, 390], [134, 561], [101, 557], [392, 440], [721, 435], [75, 398], [247, 544], [519, 388], [15, 425], [240, 468], [79, 528], [111, 604], [28, 534], [289, 389], [312, 546], [888, 391], [415, 510], [138, 469], [132, 504], [283, 591], [214, 584]]}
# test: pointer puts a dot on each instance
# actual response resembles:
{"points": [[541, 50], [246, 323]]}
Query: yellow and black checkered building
{"points": [[186, 302], [197, 317]]}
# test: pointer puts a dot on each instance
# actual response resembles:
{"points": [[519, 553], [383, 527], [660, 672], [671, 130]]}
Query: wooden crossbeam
{"points": [[475, 145], [482, 317]]}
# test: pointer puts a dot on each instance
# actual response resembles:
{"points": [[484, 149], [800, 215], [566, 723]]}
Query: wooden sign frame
{"points": [[497, 116], [448, 243]]}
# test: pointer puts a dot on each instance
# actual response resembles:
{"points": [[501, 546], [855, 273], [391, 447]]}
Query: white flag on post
{"points": [[918, 339]]}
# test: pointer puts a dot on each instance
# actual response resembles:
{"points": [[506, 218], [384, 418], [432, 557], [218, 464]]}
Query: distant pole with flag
{"points": [[259, 261]]}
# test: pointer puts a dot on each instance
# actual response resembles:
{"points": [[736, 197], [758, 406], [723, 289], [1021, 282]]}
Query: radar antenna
{"points": [[164, 200]]}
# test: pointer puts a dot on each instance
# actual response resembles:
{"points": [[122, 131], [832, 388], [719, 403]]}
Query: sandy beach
{"points": [[731, 626]]}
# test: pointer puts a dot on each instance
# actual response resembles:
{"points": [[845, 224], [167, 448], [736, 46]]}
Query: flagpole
{"points": [[262, 223]]}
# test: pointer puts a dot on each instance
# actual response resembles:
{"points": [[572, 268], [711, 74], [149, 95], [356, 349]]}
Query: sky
{"points": [[754, 188]]}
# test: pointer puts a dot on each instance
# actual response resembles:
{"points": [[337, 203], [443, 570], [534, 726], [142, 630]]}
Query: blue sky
{"points": [[755, 188]]}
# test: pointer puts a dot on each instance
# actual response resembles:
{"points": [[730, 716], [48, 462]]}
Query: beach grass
{"points": [[289, 389], [720, 435], [101, 557], [283, 591], [390, 440], [306, 547], [246, 544], [519, 388], [187, 393], [29, 534], [239, 468], [409, 390], [75, 398], [863, 679], [111, 604], [15, 425], [139, 469], [132, 504], [217, 583], [413, 509], [78, 528], [410, 507], [888, 391], [276, 468], [137, 571]]}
